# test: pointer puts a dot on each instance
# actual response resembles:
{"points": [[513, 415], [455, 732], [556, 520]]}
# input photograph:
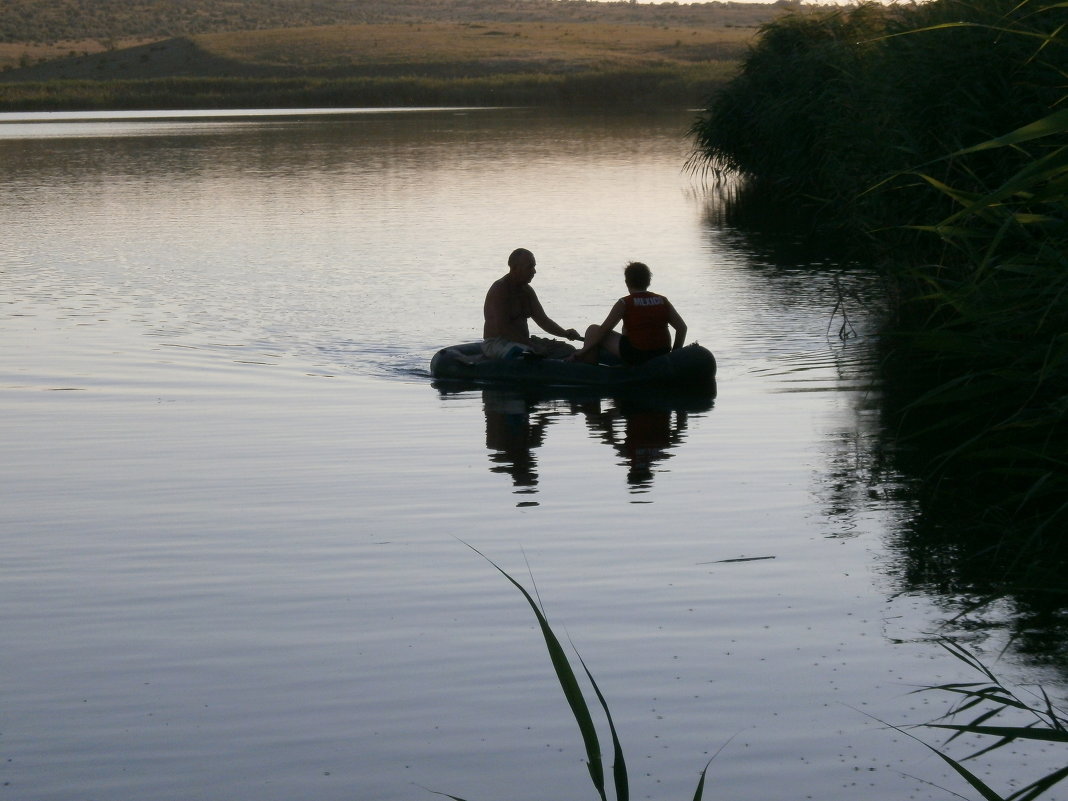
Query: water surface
{"points": [[234, 505]]}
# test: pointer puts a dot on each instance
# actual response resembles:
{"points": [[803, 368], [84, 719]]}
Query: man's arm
{"points": [[675, 321], [538, 315]]}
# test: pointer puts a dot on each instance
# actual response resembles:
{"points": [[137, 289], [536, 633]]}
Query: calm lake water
{"points": [[233, 505]]}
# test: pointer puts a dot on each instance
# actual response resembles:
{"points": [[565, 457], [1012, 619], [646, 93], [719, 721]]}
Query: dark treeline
{"points": [[829, 104], [114, 20], [642, 88], [935, 137]]}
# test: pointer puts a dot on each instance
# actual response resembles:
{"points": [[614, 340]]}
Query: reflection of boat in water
{"points": [[692, 367], [649, 433], [514, 428], [642, 425]]}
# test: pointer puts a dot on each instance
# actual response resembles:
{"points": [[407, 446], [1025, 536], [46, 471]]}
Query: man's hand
{"points": [[571, 333]]}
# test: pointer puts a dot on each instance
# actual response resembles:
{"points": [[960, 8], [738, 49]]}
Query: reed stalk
{"points": [[1037, 720], [580, 709]]}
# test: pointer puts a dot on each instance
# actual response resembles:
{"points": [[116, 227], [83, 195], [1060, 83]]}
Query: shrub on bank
{"points": [[829, 104], [938, 130]]}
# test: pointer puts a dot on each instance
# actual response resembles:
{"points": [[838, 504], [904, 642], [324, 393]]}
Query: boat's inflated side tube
{"points": [[690, 367]]}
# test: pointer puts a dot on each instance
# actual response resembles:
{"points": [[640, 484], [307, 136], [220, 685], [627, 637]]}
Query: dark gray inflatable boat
{"points": [[691, 368]]}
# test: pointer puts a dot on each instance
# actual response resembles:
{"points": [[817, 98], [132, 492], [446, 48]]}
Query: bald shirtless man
{"points": [[510, 302]]}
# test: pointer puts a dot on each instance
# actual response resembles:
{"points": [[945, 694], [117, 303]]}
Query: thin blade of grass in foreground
{"points": [[619, 764], [700, 791], [1048, 725], [446, 795], [1007, 733], [701, 784], [1036, 788], [568, 683], [968, 776], [977, 783]]}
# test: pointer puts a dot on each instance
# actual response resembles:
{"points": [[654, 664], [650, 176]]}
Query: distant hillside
{"points": [[98, 54], [48, 22], [439, 50]]}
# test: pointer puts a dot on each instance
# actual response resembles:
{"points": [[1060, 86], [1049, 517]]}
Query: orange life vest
{"points": [[645, 320]]}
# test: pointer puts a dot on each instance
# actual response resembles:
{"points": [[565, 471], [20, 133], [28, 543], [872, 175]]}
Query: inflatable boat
{"points": [[689, 368]]}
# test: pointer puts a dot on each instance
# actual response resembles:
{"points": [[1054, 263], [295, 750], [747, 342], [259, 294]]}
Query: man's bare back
{"points": [[509, 305]]}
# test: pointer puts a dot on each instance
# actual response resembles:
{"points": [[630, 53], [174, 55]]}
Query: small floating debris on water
{"points": [[737, 559]]}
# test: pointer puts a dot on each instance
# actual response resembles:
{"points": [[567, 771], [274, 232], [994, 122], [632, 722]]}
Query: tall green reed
{"points": [[795, 116], [830, 103], [1036, 719], [580, 709], [937, 133], [990, 316]]}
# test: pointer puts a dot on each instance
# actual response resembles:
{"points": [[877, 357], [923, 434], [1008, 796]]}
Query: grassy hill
{"points": [[97, 53], [43, 23], [424, 50]]}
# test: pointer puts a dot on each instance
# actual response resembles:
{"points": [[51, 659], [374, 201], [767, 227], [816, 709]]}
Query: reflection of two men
{"points": [[641, 433]]}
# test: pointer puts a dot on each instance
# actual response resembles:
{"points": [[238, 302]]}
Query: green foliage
{"points": [[991, 318], [989, 699], [792, 117], [940, 130], [830, 104]]}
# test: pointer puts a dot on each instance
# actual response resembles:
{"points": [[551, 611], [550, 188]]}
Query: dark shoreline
{"points": [[666, 87]]}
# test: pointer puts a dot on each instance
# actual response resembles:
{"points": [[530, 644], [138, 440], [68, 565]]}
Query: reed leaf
{"points": [[945, 26], [1009, 733], [1046, 168], [1048, 725], [1051, 125], [570, 686], [619, 764], [700, 791], [446, 795], [984, 790], [568, 683], [1036, 788]]}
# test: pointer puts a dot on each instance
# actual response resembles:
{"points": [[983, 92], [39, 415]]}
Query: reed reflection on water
{"points": [[954, 539]]}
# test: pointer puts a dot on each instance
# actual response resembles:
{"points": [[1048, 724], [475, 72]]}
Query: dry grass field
{"points": [[510, 45], [111, 22], [474, 50], [434, 49], [16, 54]]}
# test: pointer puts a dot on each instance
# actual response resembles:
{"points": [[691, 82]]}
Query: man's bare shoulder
{"points": [[498, 286], [506, 287]]}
